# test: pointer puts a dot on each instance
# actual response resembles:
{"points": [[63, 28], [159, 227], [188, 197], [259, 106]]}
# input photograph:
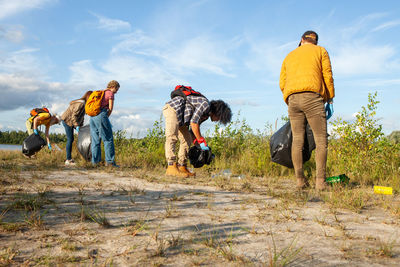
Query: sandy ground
{"points": [[91, 217]]}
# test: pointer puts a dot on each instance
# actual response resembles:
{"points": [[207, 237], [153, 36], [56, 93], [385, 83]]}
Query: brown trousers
{"points": [[308, 106], [173, 132]]}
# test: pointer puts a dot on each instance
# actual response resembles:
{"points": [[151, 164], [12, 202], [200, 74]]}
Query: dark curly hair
{"points": [[221, 110]]}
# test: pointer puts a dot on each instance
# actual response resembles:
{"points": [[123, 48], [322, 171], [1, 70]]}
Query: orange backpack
{"points": [[92, 106], [34, 112]]}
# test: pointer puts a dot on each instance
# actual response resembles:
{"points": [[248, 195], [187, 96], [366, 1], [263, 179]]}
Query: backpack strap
{"points": [[180, 90]]}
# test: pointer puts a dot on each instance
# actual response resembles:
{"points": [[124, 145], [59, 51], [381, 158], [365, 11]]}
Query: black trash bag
{"points": [[280, 145], [84, 142], [32, 144], [199, 157]]}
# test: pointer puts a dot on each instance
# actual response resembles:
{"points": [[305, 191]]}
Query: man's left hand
{"points": [[202, 143], [329, 110]]}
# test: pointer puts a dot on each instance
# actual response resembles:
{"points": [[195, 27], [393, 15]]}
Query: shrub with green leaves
{"points": [[239, 148], [360, 149]]}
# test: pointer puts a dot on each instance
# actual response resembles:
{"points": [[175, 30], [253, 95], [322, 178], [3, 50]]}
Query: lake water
{"points": [[10, 147]]}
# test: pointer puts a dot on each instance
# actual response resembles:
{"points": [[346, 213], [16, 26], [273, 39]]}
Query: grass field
{"points": [[53, 215], [250, 215]]}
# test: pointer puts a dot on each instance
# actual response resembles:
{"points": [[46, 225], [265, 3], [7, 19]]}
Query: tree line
{"points": [[17, 137]]}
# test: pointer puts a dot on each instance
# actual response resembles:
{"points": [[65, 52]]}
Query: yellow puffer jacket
{"points": [[307, 69]]}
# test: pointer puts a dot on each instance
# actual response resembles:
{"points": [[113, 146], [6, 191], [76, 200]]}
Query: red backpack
{"points": [[184, 91]]}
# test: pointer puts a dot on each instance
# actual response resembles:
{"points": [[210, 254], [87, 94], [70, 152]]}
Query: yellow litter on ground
{"points": [[383, 190]]}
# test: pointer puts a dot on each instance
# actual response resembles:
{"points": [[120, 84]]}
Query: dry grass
{"points": [[142, 217]]}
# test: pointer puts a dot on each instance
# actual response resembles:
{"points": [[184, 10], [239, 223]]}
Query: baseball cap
{"points": [[309, 34]]}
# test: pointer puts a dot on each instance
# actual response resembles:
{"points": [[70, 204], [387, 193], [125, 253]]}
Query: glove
{"points": [[203, 146], [35, 131], [49, 146], [329, 110], [202, 143], [77, 129]]}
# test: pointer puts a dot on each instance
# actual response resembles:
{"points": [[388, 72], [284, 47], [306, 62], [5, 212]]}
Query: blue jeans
{"points": [[69, 131], [100, 129]]}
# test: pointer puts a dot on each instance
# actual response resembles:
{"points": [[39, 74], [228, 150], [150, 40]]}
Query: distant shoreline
{"points": [[10, 147]]}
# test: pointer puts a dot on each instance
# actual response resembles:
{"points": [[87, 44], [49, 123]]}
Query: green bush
{"points": [[360, 149], [357, 148]]}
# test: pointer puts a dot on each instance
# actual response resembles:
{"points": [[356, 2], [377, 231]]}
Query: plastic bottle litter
{"points": [[341, 179], [383, 190], [57, 147], [227, 173], [241, 176]]}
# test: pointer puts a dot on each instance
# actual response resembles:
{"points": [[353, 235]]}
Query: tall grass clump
{"points": [[357, 148], [147, 152], [239, 148], [360, 149]]}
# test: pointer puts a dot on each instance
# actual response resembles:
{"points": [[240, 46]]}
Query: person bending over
{"points": [[180, 114]]}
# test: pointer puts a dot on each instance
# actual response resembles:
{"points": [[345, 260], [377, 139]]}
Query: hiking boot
{"points": [[184, 169], [70, 162], [320, 184], [301, 183], [172, 170]]}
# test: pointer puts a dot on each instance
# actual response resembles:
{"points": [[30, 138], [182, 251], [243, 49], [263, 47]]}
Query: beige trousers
{"points": [[173, 133], [310, 106], [29, 127]]}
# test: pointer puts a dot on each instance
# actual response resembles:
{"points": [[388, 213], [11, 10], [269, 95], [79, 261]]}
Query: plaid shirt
{"points": [[185, 113]]}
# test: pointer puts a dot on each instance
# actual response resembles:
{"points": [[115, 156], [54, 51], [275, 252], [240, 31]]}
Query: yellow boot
{"points": [[172, 170], [184, 169]]}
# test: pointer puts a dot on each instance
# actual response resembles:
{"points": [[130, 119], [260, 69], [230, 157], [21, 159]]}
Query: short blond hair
{"points": [[112, 84]]}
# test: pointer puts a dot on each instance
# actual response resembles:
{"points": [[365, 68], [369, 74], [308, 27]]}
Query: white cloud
{"points": [[12, 7], [390, 124], [13, 34], [23, 62], [358, 50], [135, 121], [359, 58], [182, 56], [146, 74], [386, 25], [112, 25], [268, 55], [22, 91], [374, 83], [147, 62], [23, 82], [201, 53], [132, 42], [83, 73], [244, 102], [362, 24]]}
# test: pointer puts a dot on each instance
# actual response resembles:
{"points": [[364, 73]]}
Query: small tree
{"points": [[360, 149], [364, 131]]}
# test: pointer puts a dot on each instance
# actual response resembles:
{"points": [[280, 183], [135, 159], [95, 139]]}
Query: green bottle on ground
{"points": [[339, 179]]}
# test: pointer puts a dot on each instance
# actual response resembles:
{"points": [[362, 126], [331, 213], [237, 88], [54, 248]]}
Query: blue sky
{"points": [[52, 51]]}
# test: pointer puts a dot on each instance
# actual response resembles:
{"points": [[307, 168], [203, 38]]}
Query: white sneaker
{"points": [[70, 162]]}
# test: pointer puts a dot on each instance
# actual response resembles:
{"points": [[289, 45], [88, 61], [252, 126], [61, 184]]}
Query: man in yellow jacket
{"points": [[307, 84]]}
